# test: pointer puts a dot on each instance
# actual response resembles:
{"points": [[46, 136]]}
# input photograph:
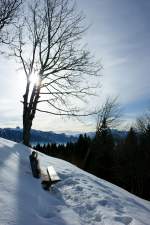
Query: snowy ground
{"points": [[79, 199]]}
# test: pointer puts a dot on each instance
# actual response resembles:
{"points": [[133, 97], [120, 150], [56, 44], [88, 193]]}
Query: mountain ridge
{"points": [[37, 136], [44, 137]]}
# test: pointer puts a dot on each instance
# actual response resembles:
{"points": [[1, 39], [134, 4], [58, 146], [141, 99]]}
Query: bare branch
{"points": [[8, 12], [109, 115], [143, 122], [67, 114]]}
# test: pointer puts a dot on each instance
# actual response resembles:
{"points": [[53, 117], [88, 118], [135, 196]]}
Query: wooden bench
{"points": [[51, 178]]}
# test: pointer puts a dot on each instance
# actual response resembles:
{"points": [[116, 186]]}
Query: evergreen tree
{"points": [[101, 157], [129, 162]]}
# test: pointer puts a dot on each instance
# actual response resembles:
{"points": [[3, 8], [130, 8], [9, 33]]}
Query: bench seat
{"points": [[50, 178]]}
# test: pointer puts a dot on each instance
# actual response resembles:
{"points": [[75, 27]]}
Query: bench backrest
{"points": [[52, 174]]}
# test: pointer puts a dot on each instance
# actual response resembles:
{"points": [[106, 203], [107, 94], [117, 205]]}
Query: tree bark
{"points": [[29, 110], [27, 124]]}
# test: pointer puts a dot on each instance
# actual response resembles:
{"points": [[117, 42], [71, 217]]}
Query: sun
{"points": [[34, 79]]}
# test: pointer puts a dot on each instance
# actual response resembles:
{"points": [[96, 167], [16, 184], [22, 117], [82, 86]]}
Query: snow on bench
{"points": [[51, 178]]}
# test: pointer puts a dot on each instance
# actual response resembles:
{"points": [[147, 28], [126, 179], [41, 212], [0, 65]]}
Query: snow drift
{"points": [[79, 199]]}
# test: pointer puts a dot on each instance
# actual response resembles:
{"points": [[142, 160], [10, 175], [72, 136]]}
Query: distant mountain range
{"points": [[44, 137], [37, 136], [117, 134]]}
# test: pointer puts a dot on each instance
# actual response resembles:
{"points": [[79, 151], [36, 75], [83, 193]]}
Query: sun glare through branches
{"points": [[34, 79]]}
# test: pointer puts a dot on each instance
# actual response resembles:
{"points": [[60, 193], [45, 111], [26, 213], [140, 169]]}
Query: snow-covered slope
{"points": [[79, 199]]}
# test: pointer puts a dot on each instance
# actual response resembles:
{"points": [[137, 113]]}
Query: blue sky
{"points": [[119, 36]]}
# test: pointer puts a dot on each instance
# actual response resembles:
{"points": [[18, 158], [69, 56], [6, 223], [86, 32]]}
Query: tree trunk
{"points": [[27, 123], [29, 110]]}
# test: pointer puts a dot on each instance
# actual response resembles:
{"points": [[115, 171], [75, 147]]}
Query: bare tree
{"points": [[109, 115], [49, 49], [8, 12], [143, 122]]}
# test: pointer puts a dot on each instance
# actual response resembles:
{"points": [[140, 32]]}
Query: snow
{"points": [[78, 199]]}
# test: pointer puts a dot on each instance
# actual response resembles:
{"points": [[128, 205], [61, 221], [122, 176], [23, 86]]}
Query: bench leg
{"points": [[46, 184]]}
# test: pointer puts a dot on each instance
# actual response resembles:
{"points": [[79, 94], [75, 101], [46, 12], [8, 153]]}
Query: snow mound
{"points": [[79, 199]]}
